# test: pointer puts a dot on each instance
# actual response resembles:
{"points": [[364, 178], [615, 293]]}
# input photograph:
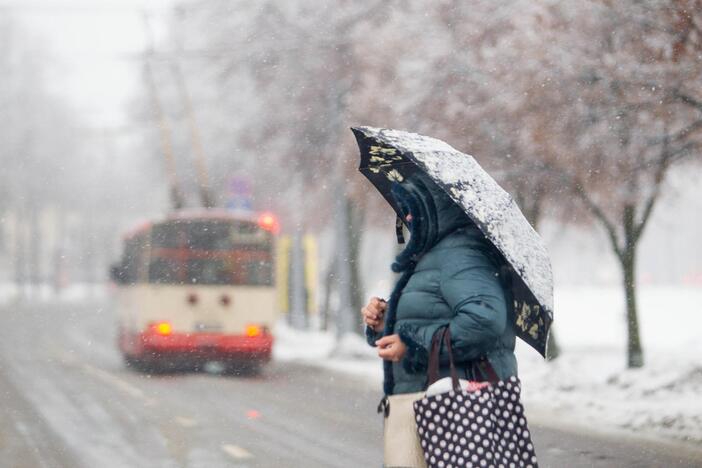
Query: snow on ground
{"points": [[589, 384], [350, 355], [76, 292]]}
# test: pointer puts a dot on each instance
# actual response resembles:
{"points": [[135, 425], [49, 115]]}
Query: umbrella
{"points": [[389, 156]]}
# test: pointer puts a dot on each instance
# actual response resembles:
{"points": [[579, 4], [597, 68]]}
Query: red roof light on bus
{"points": [[268, 222]]}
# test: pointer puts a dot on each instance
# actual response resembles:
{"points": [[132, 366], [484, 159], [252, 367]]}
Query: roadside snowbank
{"points": [[591, 387], [350, 355], [589, 384], [45, 293]]}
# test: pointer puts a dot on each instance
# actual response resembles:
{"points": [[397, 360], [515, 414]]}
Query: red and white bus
{"points": [[198, 287]]}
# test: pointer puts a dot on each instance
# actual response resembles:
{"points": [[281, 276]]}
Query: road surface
{"points": [[66, 400]]}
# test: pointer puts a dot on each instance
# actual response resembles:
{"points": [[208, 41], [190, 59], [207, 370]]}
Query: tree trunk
{"points": [[346, 321], [57, 270], [34, 253], [326, 312], [635, 356], [298, 303], [634, 352], [297, 309], [355, 227], [20, 258]]}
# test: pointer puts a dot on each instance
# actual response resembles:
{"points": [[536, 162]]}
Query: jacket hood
{"points": [[433, 216]]}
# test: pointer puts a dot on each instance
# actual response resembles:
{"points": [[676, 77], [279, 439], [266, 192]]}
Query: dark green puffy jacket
{"points": [[455, 282]]}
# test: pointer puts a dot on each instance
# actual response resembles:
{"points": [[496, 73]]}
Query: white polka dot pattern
{"points": [[485, 428]]}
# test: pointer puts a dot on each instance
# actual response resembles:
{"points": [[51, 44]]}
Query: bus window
{"points": [[217, 252], [210, 235], [209, 271], [134, 255], [259, 273], [214, 271], [165, 271], [167, 235]]}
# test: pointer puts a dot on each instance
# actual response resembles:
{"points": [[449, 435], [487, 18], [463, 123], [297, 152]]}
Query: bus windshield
{"points": [[216, 252]]}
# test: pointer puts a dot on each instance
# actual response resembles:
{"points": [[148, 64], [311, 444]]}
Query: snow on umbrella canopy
{"points": [[389, 156]]}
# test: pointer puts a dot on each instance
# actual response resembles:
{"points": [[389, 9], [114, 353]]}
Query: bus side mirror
{"points": [[117, 273]]}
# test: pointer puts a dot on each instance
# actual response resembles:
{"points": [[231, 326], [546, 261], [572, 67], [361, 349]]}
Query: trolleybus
{"points": [[197, 287]]}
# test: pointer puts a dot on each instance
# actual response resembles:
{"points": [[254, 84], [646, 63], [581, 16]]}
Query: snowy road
{"points": [[66, 400]]}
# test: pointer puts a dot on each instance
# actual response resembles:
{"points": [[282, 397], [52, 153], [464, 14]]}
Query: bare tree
{"points": [[636, 116], [576, 107]]}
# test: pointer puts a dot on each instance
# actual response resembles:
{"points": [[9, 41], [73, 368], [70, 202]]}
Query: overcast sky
{"points": [[94, 47]]}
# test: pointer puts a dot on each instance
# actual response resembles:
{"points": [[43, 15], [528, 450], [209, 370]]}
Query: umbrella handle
{"points": [[398, 231]]}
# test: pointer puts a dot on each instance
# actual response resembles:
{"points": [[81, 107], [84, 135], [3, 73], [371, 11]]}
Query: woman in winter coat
{"points": [[450, 277]]}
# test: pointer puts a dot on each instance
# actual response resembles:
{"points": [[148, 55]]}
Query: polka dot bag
{"points": [[481, 428]]}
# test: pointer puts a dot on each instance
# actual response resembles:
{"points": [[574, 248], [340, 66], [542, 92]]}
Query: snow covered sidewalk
{"points": [[351, 355], [591, 388], [589, 384]]}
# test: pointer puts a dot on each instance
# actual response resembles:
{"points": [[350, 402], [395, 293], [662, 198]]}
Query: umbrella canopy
{"points": [[389, 156]]}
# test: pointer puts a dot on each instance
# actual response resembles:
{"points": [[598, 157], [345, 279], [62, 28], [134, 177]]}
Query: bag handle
{"points": [[486, 369], [440, 336], [443, 335]]}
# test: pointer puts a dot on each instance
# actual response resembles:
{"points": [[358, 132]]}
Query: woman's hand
{"points": [[374, 314], [391, 348]]}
